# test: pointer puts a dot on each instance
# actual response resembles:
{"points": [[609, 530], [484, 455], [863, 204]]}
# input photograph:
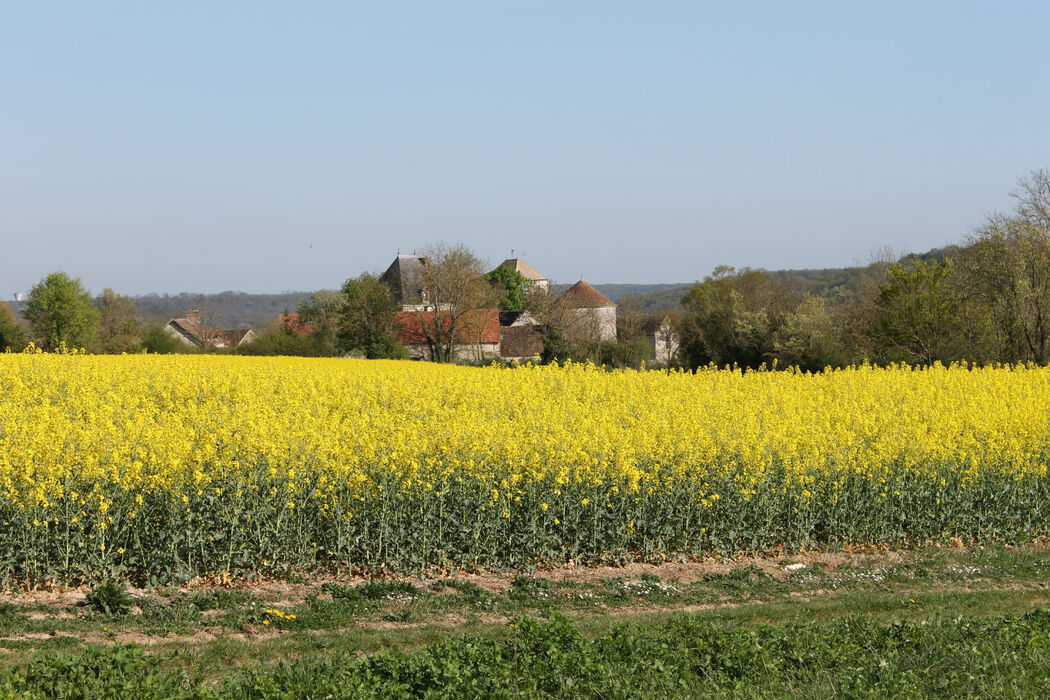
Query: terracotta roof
{"points": [[526, 271], [293, 323], [481, 326], [583, 296], [520, 341]]}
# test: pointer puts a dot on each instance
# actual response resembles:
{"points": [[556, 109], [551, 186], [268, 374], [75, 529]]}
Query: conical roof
{"points": [[583, 296]]}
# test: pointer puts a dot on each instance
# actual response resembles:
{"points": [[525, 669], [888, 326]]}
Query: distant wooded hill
{"points": [[822, 282]]}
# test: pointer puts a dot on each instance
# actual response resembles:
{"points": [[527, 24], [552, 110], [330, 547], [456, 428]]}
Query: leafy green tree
{"points": [[809, 338], [366, 321], [625, 352], [511, 286], [281, 339], [155, 340], [11, 335], [119, 329], [918, 314], [60, 310], [556, 347], [322, 310], [733, 317]]}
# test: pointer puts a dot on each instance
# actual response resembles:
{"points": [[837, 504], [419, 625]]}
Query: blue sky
{"points": [[261, 146]]}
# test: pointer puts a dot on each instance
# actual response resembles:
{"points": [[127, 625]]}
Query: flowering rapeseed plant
{"points": [[164, 467]]}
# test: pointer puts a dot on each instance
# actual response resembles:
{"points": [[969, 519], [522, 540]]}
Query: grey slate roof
{"points": [[404, 277]]}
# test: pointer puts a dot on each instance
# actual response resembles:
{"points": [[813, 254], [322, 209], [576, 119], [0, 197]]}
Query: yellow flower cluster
{"points": [[173, 465], [275, 614]]}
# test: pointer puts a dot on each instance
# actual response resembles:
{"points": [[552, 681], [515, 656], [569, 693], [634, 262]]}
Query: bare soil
{"points": [[290, 594]]}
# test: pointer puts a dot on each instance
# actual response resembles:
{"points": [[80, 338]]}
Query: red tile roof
{"points": [[293, 323], [480, 326]]}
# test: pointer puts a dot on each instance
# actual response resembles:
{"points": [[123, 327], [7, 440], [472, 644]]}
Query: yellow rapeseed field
{"points": [[165, 467]]}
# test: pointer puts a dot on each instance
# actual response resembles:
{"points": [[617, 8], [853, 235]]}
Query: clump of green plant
{"points": [[749, 580], [527, 588], [110, 598], [219, 600], [373, 590], [403, 615]]}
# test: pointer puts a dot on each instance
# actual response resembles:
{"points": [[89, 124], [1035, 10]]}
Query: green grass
{"points": [[235, 640], [684, 656]]}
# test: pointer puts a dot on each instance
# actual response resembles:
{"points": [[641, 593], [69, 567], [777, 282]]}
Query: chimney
{"points": [[194, 315]]}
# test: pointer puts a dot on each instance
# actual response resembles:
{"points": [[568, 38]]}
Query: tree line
{"points": [[985, 301], [61, 314]]}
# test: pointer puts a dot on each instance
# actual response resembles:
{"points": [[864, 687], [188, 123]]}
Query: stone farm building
{"points": [[477, 334], [192, 332], [520, 337], [588, 312], [405, 279], [661, 334]]}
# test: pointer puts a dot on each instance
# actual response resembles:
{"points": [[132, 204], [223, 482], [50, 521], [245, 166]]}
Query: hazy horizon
{"points": [[259, 147]]}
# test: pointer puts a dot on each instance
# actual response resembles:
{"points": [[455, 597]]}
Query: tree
{"points": [[555, 346], [282, 339], [366, 320], [918, 314], [852, 307], [453, 279], [155, 340], [323, 310], [60, 310], [11, 335], [809, 338], [733, 317], [630, 318], [1007, 269], [511, 287], [119, 329]]}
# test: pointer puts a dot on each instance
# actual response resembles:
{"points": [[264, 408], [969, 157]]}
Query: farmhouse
{"points": [[191, 331]]}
